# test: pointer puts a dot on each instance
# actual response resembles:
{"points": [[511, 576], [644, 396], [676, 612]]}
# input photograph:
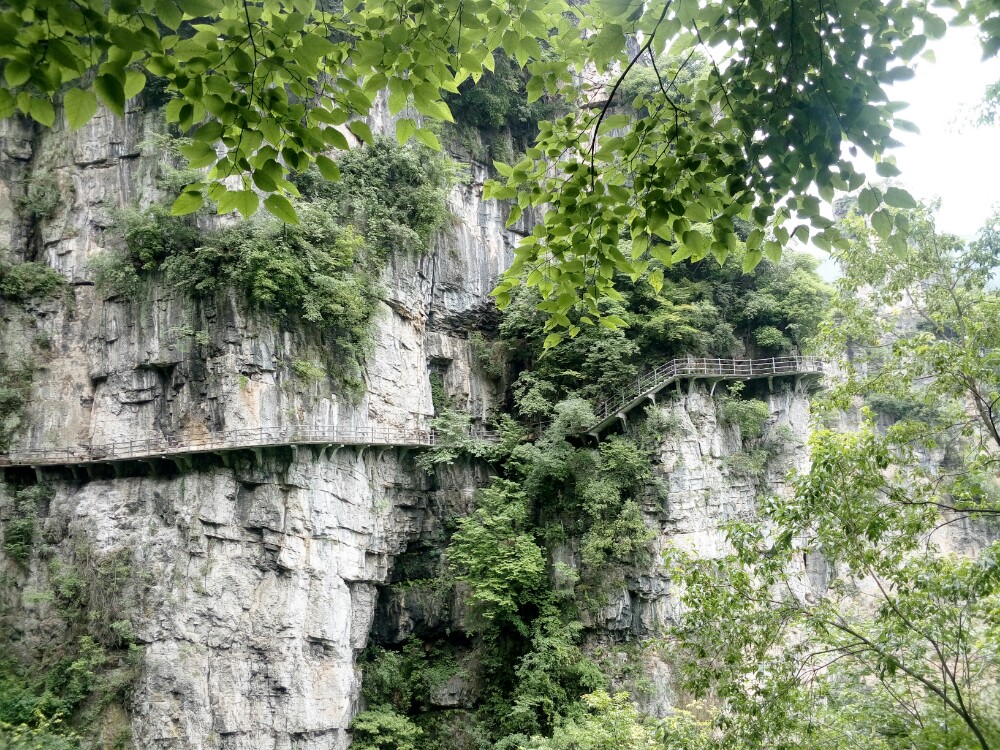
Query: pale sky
{"points": [[949, 159]]}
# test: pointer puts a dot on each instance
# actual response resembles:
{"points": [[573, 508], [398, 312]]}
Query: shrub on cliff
{"points": [[20, 282]]}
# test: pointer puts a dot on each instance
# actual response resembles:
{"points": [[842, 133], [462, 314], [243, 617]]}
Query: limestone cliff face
{"points": [[257, 580]]}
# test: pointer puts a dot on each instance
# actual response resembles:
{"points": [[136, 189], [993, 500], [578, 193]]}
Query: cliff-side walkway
{"points": [[248, 439], [178, 447], [690, 368]]}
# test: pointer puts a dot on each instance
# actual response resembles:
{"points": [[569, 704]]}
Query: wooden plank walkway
{"points": [[176, 447], [648, 385]]}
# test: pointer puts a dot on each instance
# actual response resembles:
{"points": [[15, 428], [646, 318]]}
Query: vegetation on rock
{"points": [[21, 284], [555, 534], [53, 697], [321, 272], [698, 309]]}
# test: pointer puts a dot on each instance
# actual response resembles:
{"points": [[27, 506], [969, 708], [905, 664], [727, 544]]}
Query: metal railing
{"points": [[124, 450], [405, 437], [694, 367]]}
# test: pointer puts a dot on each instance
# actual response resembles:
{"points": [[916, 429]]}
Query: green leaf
{"points": [[886, 169], [428, 138], [656, 280], [615, 8], [8, 104], [361, 130], [912, 46], [404, 129], [168, 13], [934, 26], [127, 39], [187, 203], [751, 260], [552, 340], [397, 98], [198, 8], [434, 109], [210, 132], [613, 122], [897, 243], [867, 201], [247, 203], [315, 45], [882, 224], [336, 139], [199, 154], [42, 112], [328, 168], [135, 82], [264, 181], [80, 106], [16, 72], [111, 92], [608, 44], [281, 208], [899, 198], [693, 240], [772, 251]]}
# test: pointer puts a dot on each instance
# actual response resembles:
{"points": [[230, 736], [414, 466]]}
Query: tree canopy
{"points": [[269, 87]]}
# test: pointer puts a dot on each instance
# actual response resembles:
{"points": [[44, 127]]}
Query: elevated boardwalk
{"points": [[179, 448], [690, 368], [234, 440]]}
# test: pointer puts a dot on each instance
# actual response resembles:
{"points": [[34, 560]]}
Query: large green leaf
{"points": [[80, 106], [280, 207]]}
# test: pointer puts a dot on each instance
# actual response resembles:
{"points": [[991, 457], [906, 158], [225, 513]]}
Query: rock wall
{"points": [[259, 578], [257, 581], [253, 590]]}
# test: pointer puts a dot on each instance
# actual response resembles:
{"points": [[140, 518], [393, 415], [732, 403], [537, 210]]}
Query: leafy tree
{"points": [[899, 649], [611, 722], [266, 88]]}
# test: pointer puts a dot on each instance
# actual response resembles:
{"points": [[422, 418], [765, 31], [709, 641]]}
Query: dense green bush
{"points": [[15, 386], [37, 705], [19, 532], [405, 679], [395, 198], [526, 610], [748, 414], [115, 275], [491, 355], [385, 729], [606, 722], [20, 282], [494, 550], [899, 408], [553, 536], [65, 688], [41, 196]]}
